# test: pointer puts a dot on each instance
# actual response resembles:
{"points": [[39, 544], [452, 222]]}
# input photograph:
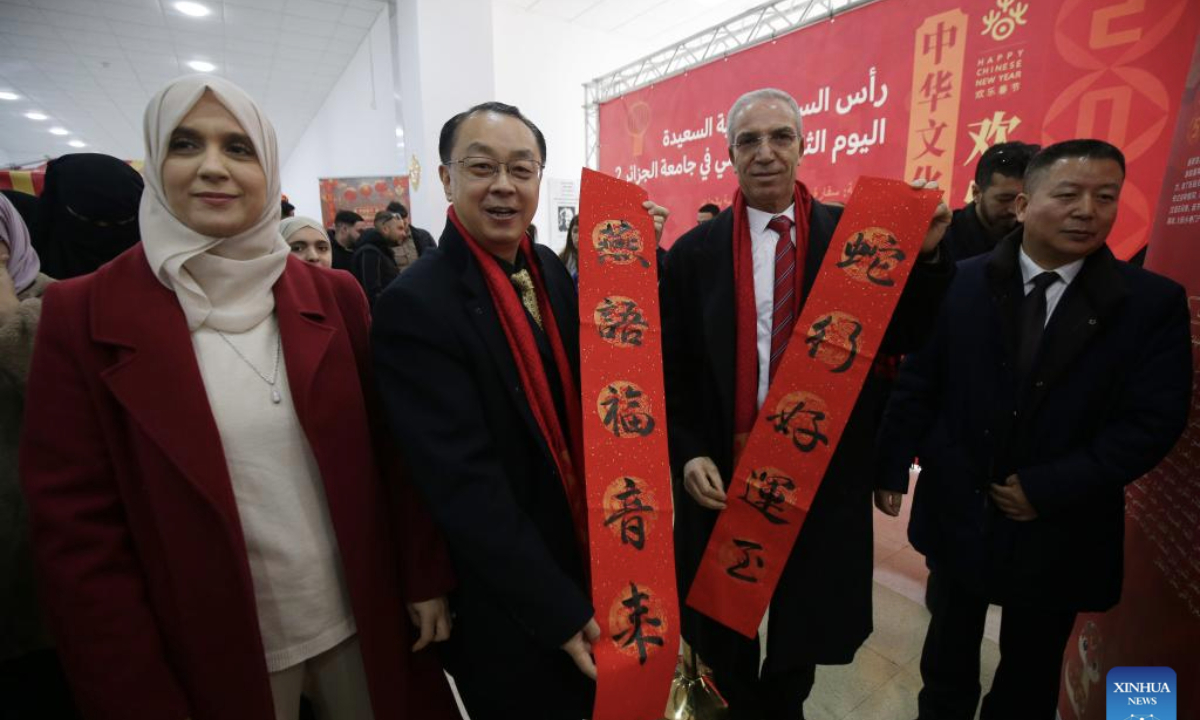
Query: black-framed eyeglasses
{"points": [[486, 168], [780, 140]]}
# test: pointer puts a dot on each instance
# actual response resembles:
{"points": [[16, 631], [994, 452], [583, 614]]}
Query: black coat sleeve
{"points": [[917, 310], [681, 366], [911, 410], [432, 398], [1148, 415]]}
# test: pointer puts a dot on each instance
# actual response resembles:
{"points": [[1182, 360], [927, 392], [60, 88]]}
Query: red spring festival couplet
{"points": [[799, 425], [625, 439]]}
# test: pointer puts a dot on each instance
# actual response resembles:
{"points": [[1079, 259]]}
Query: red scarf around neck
{"points": [[745, 363], [564, 446]]}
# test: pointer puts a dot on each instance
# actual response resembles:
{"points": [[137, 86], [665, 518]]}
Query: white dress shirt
{"points": [[1054, 293], [762, 248]]}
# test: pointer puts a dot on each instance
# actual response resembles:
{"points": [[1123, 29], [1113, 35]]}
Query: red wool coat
{"points": [[141, 559]]}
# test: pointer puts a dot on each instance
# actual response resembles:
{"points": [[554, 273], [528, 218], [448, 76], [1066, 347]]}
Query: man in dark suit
{"points": [[714, 391], [992, 213], [1056, 376], [477, 353], [345, 235], [421, 238], [374, 261]]}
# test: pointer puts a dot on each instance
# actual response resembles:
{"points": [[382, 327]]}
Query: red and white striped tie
{"points": [[784, 315]]}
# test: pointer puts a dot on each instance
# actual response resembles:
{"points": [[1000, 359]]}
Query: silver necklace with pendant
{"points": [[271, 381]]}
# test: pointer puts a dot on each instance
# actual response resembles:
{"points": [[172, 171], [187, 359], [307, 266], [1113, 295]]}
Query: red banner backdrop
{"points": [[1158, 620], [904, 90]]}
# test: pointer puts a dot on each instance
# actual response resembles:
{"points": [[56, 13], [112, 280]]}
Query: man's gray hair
{"points": [[761, 94]]}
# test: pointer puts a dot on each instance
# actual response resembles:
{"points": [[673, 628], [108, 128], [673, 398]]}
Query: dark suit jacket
{"points": [[460, 416], [834, 550], [373, 264], [141, 558], [1106, 400], [423, 240], [966, 237]]}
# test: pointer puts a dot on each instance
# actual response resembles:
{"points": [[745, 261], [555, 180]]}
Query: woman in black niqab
{"points": [[87, 213]]}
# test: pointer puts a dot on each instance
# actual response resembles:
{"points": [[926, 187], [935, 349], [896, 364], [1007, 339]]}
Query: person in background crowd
{"points": [[27, 206], [307, 240], [87, 213], [422, 238], [287, 209], [374, 262], [722, 341], [345, 237], [31, 679], [707, 212], [1056, 376], [211, 525], [477, 353], [992, 212], [570, 251], [408, 249]]}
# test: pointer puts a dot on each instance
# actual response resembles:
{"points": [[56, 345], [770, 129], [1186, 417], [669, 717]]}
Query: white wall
{"points": [[541, 65], [354, 132], [446, 66], [454, 54]]}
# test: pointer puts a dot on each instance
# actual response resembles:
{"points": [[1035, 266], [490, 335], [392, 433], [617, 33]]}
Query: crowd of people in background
{"points": [[266, 464]]}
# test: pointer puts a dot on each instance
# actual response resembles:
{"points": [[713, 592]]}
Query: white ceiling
{"points": [[92, 65], [657, 23]]}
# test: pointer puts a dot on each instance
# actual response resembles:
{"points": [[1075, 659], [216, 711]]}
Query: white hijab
{"points": [[288, 226], [224, 283]]}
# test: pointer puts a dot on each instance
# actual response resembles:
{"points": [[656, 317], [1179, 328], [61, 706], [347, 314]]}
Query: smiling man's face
{"points": [[766, 170], [496, 211]]}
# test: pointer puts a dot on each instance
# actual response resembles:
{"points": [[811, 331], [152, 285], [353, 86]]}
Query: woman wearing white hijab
{"points": [[211, 526], [308, 240]]}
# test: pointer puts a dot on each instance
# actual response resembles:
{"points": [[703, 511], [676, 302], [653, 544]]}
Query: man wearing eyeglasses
{"points": [[717, 376], [477, 354]]}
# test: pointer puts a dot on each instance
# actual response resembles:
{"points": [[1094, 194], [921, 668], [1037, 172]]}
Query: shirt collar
{"points": [[511, 268], [1030, 269], [759, 218]]}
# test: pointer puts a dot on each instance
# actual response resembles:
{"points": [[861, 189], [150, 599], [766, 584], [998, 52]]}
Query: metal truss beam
{"points": [[758, 25]]}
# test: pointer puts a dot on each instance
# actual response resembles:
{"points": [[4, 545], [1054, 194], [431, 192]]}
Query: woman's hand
{"points": [[432, 618]]}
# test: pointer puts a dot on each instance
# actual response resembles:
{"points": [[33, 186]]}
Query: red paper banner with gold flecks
{"points": [[628, 475], [832, 347]]}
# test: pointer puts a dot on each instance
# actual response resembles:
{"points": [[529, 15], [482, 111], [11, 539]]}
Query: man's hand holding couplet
{"points": [[579, 647], [940, 222], [702, 480], [659, 213]]}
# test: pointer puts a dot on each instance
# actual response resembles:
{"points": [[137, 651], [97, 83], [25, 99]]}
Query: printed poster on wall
{"points": [[363, 195], [560, 207]]}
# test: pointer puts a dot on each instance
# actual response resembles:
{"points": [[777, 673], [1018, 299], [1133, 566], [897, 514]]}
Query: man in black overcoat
{"points": [[476, 351], [821, 609], [1055, 376]]}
